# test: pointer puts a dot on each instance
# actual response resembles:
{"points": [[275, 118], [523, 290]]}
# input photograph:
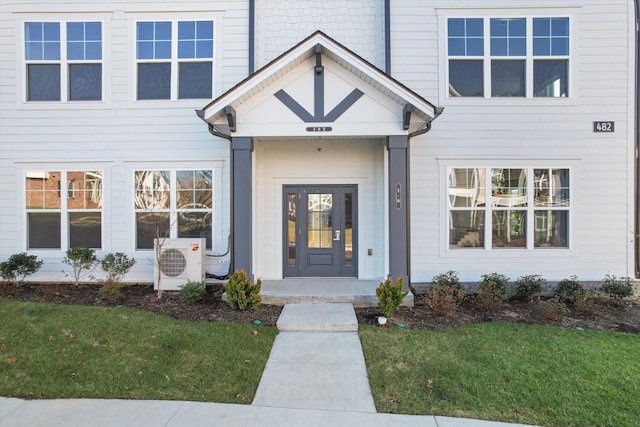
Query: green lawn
{"points": [[507, 372], [57, 351]]}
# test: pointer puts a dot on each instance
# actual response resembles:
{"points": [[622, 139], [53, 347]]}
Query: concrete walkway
{"points": [[315, 376]]}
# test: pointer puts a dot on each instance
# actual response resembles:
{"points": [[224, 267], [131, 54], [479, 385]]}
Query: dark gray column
{"points": [[241, 206], [398, 147]]}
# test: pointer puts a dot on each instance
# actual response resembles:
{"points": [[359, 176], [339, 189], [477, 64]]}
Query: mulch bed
{"points": [[609, 317]]}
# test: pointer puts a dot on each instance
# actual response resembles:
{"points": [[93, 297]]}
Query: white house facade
{"points": [[360, 138]]}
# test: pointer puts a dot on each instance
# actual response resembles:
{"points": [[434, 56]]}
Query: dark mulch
{"points": [[611, 317]]}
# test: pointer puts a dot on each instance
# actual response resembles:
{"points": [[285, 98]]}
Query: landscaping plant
{"points": [[569, 289], [82, 261], [529, 286], [552, 308], [19, 266], [616, 287], [493, 290], [390, 295], [192, 291], [241, 292], [116, 266], [445, 294]]}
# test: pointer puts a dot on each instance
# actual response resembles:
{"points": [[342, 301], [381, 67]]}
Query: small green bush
{"points": [[493, 290], [241, 292], [82, 262], [443, 300], [116, 266], [527, 287], [616, 287], [110, 291], [192, 291], [569, 289], [552, 308], [390, 295], [19, 266], [450, 279]]}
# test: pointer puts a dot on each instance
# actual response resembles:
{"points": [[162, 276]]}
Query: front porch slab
{"points": [[360, 293]]}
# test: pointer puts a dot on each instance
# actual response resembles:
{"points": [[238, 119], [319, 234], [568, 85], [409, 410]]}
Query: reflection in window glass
{"points": [[507, 78], [291, 229], [466, 78], [467, 198], [319, 220]]}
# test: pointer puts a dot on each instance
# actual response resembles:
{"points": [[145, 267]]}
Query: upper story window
{"points": [[63, 61], [508, 57], [174, 59]]}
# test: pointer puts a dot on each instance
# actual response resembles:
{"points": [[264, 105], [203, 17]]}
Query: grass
{"points": [[57, 351], [507, 372]]}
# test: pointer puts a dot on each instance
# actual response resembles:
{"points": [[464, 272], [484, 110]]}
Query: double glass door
{"points": [[320, 231]]}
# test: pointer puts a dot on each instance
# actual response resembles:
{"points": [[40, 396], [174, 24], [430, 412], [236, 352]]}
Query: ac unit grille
{"points": [[172, 262]]}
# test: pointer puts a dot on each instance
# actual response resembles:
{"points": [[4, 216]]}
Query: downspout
{"points": [[387, 36], [252, 25], [637, 138]]}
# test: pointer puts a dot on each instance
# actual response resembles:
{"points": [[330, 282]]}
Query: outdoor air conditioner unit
{"points": [[178, 261]]}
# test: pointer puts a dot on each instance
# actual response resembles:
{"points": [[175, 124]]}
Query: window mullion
{"points": [[64, 64], [529, 60], [488, 216], [487, 57], [174, 60], [173, 211], [531, 216], [64, 212]]}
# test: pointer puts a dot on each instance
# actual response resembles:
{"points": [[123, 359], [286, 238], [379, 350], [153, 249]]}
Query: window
{"points": [[173, 203], [63, 61], [508, 57], [64, 209], [174, 59], [508, 208]]}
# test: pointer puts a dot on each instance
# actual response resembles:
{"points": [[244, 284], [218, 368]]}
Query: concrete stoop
{"points": [[316, 361]]}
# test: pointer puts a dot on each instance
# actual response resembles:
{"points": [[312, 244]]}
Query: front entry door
{"points": [[320, 231]]}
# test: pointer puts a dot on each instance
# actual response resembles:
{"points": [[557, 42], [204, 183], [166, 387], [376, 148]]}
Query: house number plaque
{"points": [[398, 197], [603, 126]]}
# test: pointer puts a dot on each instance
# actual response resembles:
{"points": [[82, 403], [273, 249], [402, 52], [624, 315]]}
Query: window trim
{"points": [[22, 100], [218, 30], [573, 82], [446, 164]]}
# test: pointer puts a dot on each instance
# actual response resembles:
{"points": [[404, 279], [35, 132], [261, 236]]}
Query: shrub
{"points": [[110, 291], [19, 266], [193, 291], [82, 262], [493, 289], [527, 287], [241, 292], [586, 302], [552, 309], [450, 279], [390, 295], [443, 300], [569, 289], [116, 266], [617, 287]]}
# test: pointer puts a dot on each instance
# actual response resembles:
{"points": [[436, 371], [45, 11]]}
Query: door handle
{"points": [[336, 237]]}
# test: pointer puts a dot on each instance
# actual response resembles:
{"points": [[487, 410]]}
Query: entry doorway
{"points": [[320, 230]]}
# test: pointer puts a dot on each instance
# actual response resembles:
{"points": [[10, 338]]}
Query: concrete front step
{"points": [[317, 318], [359, 293]]}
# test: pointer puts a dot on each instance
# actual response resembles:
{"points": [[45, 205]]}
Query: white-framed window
{"points": [[173, 203], [63, 61], [495, 207], [517, 57], [174, 59], [63, 209]]}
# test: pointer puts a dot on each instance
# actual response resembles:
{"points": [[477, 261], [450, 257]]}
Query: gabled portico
{"points": [[319, 142]]}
